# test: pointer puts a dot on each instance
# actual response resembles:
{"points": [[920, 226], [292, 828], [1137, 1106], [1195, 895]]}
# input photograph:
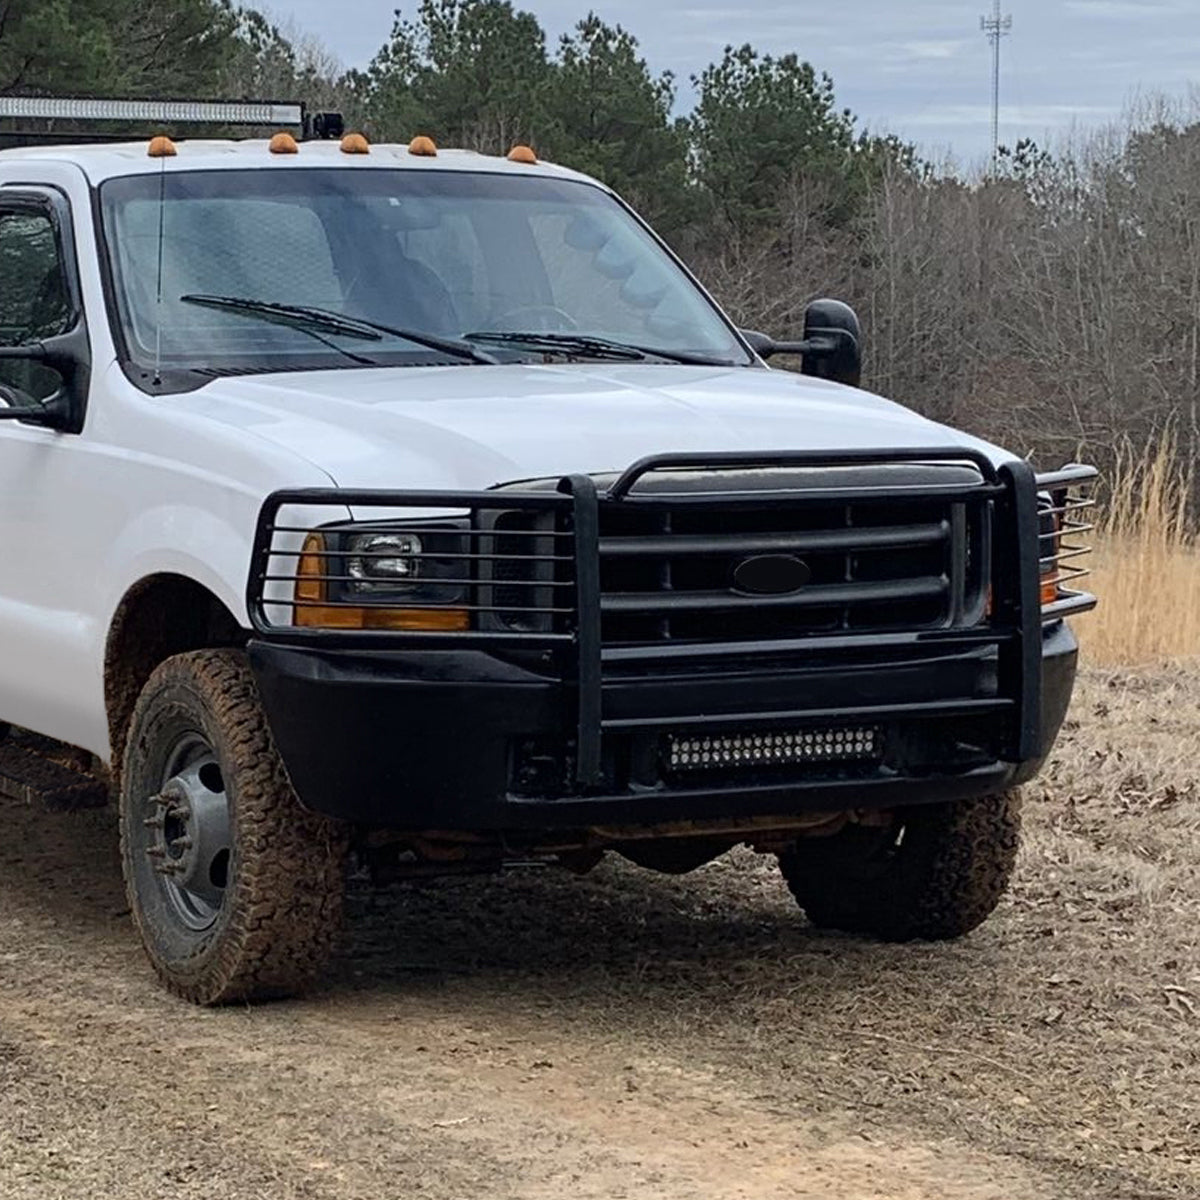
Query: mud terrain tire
{"points": [[935, 873], [270, 919]]}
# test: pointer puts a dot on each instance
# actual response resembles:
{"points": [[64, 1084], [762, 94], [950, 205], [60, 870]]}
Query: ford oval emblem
{"points": [[771, 575]]}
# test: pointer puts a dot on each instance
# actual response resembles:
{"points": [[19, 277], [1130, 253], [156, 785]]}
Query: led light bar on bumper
{"points": [[216, 112], [711, 752]]}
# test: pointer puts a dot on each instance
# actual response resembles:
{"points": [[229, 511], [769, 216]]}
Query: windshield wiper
{"points": [[579, 344], [323, 320]]}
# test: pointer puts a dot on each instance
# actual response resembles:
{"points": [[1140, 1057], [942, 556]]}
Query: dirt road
{"points": [[628, 1035]]}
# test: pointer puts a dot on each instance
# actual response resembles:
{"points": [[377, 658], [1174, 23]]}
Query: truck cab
{"points": [[419, 505]]}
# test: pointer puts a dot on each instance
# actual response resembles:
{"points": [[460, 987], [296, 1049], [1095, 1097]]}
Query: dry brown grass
{"points": [[1146, 568]]}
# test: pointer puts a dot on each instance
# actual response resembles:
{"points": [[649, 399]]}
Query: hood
{"points": [[471, 427]]}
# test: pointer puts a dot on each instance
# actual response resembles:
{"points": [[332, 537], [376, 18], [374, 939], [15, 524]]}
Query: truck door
{"points": [[45, 672]]}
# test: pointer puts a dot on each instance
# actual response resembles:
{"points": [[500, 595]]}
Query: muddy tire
{"points": [[235, 889], [936, 872]]}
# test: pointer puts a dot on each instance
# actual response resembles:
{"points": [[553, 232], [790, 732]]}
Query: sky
{"points": [[917, 68]]}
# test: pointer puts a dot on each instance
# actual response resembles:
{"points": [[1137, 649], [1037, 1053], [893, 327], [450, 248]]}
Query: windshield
{"points": [[451, 254]]}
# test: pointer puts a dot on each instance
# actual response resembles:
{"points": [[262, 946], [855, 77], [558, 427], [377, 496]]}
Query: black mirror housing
{"points": [[835, 327], [761, 343], [831, 348], [69, 355]]}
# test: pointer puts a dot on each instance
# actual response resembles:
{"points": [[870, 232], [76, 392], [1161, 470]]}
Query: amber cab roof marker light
{"points": [[522, 154], [284, 143], [161, 147], [423, 147], [355, 143]]}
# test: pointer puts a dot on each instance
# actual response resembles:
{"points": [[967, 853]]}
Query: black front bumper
{"points": [[460, 739]]}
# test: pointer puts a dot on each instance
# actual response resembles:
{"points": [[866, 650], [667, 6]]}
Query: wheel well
{"points": [[159, 616]]}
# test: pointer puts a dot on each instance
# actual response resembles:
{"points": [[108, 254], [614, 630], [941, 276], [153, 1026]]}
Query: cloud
{"points": [[949, 48], [1122, 10], [977, 115]]}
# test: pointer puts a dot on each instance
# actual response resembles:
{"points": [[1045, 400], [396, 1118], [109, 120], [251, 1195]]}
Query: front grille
{"points": [[667, 570]]}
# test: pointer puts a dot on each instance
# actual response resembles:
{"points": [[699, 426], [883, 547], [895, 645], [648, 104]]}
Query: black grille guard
{"points": [[569, 598]]}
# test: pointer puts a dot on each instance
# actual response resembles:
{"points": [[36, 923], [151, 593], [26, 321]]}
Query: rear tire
{"points": [[235, 889], [936, 872]]}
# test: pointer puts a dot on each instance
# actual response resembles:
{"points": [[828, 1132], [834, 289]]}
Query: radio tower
{"points": [[996, 27]]}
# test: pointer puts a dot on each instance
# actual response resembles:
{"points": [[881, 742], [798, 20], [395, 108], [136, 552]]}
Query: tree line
{"points": [[1053, 304]]}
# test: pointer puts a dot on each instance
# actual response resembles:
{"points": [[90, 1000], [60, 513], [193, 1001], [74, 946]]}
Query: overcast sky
{"points": [[920, 68]]}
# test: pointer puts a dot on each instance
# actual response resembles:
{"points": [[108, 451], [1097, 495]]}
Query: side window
{"points": [[34, 299]]}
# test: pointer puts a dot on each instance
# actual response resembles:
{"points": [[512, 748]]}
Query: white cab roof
{"points": [[109, 160]]}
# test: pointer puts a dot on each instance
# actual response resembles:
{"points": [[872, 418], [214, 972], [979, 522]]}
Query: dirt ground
{"points": [[630, 1035]]}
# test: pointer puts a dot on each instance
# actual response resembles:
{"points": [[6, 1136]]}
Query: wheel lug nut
{"points": [[155, 822], [155, 852]]}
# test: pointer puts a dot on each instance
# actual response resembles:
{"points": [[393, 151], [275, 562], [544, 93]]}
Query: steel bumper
{"points": [[432, 739]]}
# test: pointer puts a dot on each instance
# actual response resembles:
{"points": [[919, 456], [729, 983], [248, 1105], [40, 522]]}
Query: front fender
{"points": [[211, 550]]}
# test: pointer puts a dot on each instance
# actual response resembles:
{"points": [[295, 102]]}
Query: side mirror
{"points": [[833, 328], [831, 348], [66, 354]]}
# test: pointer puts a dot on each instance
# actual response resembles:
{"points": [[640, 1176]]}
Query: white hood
{"points": [[471, 427]]}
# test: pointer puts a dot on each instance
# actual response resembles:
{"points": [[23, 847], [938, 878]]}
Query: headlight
{"points": [[356, 578], [377, 561]]}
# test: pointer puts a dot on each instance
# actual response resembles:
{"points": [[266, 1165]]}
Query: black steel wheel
{"points": [[235, 888], [933, 872]]}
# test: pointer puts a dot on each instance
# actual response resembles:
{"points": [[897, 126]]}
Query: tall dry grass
{"points": [[1146, 566]]}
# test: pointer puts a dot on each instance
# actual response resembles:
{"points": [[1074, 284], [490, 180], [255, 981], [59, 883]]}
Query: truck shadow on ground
{"points": [[620, 931]]}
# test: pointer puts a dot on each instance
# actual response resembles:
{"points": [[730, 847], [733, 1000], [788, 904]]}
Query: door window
{"points": [[34, 299]]}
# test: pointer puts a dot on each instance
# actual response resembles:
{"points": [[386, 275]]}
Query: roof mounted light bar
{"points": [[216, 112]]}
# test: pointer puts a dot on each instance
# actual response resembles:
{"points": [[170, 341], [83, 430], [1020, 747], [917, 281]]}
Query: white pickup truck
{"points": [[420, 505]]}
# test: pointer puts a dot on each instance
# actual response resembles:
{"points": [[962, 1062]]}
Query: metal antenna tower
{"points": [[996, 27]]}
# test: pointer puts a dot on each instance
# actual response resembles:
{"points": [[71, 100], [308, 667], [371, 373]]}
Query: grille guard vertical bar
{"points": [[1017, 563], [260, 558], [588, 764]]}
